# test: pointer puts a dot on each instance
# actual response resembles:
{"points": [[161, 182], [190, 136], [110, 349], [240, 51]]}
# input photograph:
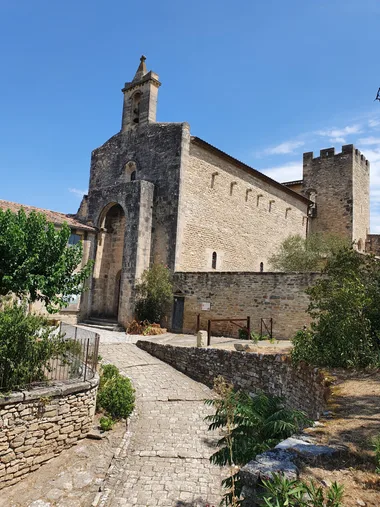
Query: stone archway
{"points": [[108, 263]]}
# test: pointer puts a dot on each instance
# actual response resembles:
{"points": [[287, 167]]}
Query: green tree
{"points": [[154, 293], [306, 254], [36, 262], [344, 305]]}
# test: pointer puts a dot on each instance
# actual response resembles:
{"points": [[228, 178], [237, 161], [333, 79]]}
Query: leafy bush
{"points": [[154, 294], [344, 305], [251, 425], [283, 492], [106, 423], [109, 371], [115, 395], [26, 346], [243, 333]]}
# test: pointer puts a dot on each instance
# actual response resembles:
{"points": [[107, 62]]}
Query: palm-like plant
{"points": [[251, 425]]}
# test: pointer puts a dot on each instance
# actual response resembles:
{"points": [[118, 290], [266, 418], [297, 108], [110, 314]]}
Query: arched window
{"points": [[261, 267], [214, 259], [130, 171], [136, 99]]}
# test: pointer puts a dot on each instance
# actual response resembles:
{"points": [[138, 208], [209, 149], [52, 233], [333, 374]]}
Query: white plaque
{"points": [[205, 306]]}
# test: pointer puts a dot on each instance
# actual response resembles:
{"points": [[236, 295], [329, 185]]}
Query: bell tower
{"points": [[140, 98]]}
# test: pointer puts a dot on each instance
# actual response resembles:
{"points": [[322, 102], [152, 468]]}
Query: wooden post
{"points": [[209, 332], [249, 327]]}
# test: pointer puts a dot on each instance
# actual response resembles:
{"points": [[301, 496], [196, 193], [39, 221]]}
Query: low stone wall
{"points": [[302, 387], [280, 296], [37, 425]]}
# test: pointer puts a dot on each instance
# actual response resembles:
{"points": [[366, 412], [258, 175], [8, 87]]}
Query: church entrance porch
{"points": [[108, 264]]}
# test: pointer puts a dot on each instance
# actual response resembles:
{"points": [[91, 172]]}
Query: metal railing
{"points": [[85, 345], [76, 359]]}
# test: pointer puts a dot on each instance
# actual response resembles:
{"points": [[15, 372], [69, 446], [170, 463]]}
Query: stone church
{"points": [[159, 194]]}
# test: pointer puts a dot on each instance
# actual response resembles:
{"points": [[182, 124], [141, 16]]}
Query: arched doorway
{"points": [[108, 264]]}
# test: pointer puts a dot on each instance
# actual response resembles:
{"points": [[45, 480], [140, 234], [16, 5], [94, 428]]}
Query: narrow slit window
{"points": [[261, 267], [133, 175], [214, 259]]}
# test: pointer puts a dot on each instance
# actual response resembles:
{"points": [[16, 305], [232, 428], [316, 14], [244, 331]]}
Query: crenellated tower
{"points": [[140, 98], [338, 184]]}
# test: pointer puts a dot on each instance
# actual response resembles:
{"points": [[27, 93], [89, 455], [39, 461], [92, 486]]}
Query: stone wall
{"points": [[155, 150], [280, 296], [230, 209], [302, 388], [37, 425]]}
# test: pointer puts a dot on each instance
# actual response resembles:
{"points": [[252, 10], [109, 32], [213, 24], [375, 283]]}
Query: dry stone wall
{"points": [[301, 387], [37, 425], [280, 296]]}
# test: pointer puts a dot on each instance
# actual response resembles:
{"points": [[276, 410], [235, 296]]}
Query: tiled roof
{"points": [[291, 183], [55, 217]]}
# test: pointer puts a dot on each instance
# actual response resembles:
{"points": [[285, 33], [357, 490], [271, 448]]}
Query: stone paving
{"points": [[166, 461]]}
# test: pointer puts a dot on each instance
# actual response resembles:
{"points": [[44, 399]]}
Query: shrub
{"points": [[106, 423], [251, 425], [154, 293], [243, 333], [255, 337], [116, 395], [376, 446], [282, 492], [26, 346], [109, 371], [344, 305]]}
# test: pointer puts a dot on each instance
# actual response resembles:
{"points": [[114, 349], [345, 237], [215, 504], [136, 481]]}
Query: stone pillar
{"points": [[202, 339]]}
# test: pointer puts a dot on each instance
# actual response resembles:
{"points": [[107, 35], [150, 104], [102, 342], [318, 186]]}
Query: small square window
{"points": [[74, 239]]}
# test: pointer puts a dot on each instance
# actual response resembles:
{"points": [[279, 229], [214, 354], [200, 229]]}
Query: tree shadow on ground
{"points": [[356, 414], [198, 502]]}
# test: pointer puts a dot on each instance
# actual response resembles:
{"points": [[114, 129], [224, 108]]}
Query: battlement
{"points": [[347, 149]]}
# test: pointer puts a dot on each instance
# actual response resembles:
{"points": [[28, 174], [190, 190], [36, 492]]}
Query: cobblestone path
{"points": [[166, 461]]}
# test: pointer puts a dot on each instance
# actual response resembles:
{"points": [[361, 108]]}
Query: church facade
{"points": [[159, 194]]}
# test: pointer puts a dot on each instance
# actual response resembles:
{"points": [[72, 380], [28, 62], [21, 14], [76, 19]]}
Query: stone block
{"points": [[43, 458]]}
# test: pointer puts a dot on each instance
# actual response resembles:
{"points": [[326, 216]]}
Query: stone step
{"points": [[104, 320], [105, 325]]}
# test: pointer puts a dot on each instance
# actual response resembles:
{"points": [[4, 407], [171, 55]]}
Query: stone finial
{"points": [[141, 71]]}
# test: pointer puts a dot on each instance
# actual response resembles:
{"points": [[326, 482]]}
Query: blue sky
{"points": [[264, 80]]}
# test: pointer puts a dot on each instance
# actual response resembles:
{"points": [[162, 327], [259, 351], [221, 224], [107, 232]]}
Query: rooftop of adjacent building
{"points": [[54, 217]]}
